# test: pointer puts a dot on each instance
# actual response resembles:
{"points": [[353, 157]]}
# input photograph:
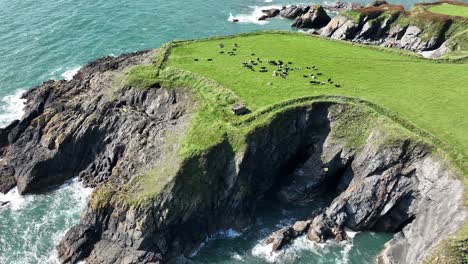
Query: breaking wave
{"points": [[11, 108], [252, 17], [32, 225]]}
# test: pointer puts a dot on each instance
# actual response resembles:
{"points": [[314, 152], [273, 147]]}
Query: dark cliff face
{"points": [[89, 127], [385, 187]]}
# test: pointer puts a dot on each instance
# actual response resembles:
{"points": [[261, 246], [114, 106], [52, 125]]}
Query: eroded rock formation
{"points": [[391, 26], [315, 17]]}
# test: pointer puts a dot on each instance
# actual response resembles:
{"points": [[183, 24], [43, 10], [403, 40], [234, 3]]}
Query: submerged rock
{"points": [[269, 13]]}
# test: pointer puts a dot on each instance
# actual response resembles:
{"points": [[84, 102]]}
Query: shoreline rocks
{"points": [[293, 11], [315, 17], [269, 13], [391, 26]]}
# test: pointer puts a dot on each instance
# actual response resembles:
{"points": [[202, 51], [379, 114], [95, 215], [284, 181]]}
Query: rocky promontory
{"points": [[110, 133]]}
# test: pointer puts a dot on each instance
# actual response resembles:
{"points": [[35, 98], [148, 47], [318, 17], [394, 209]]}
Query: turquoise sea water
{"points": [[40, 40]]}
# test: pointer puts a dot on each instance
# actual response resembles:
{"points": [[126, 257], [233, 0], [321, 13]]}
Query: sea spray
{"points": [[252, 17], [11, 108], [223, 234], [69, 74], [32, 225]]}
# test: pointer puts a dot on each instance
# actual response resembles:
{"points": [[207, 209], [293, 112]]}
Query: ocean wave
{"points": [[11, 108], [69, 74], [14, 200], [298, 247], [223, 234], [252, 17], [32, 225]]}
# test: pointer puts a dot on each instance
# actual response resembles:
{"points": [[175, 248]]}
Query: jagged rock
{"points": [[389, 188], [7, 178], [341, 6], [316, 17], [293, 11], [340, 27], [377, 3], [280, 238], [78, 128], [378, 26], [4, 203], [269, 13], [322, 229], [283, 236]]}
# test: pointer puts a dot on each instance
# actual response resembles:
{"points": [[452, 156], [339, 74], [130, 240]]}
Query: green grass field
{"points": [[432, 95], [451, 10]]}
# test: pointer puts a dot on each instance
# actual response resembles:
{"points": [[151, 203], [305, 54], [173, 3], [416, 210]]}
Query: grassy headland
{"points": [[431, 94]]}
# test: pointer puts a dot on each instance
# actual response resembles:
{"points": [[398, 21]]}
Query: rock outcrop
{"points": [[293, 11], [391, 26], [396, 188], [315, 17], [89, 127], [269, 13]]}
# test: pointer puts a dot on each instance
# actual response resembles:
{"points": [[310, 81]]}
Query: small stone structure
{"points": [[239, 109]]}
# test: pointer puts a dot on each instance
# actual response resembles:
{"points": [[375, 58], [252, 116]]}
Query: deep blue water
{"points": [[41, 39]]}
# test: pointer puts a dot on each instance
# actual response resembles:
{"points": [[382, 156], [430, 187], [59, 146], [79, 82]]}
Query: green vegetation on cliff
{"points": [[450, 9]]}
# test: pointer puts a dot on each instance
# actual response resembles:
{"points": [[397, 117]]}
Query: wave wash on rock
{"points": [[125, 141]]}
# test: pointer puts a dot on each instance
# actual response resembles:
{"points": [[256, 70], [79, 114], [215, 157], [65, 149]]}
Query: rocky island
{"points": [[183, 141]]}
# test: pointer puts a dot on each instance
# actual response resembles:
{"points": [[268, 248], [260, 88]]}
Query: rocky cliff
{"points": [[152, 204], [383, 182], [434, 35]]}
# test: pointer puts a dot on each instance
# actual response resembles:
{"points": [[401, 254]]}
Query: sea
{"points": [[52, 39]]}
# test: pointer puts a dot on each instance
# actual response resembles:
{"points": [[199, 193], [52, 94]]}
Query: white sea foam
{"points": [[230, 233], [351, 234], [69, 74], [252, 17], [237, 256], [299, 245], [80, 195], [223, 234], [44, 217], [14, 200], [11, 108]]}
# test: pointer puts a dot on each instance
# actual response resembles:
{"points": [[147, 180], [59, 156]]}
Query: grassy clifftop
{"points": [[430, 94], [450, 8]]}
